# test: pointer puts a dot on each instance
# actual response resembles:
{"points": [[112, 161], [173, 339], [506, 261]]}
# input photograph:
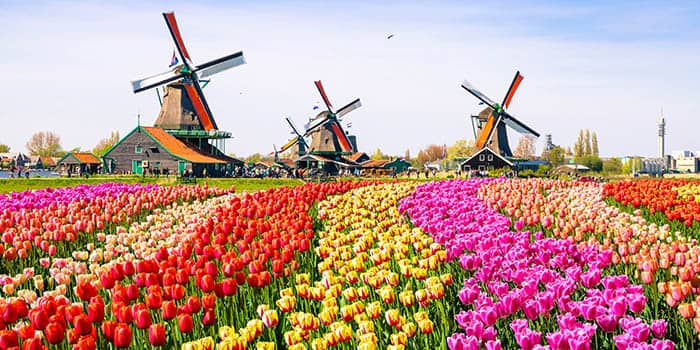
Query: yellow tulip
{"points": [[264, 345]]}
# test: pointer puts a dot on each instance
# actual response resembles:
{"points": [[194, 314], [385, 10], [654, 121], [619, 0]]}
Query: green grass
{"points": [[22, 184]]}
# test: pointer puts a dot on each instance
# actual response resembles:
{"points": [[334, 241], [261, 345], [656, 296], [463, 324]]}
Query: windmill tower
{"points": [[493, 120], [327, 135], [184, 111], [297, 143]]}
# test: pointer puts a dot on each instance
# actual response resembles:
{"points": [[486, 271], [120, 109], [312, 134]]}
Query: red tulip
{"points": [[153, 301], [169, 310], [54, 333], [8, 339], [122, 336], [142, 318], [96, 312], [108, 328], [185, 323], [209, 317], [85, 291], [39, 319], [26, 332], [82, 324], [193, 304], [33, 344], [156, 334]]}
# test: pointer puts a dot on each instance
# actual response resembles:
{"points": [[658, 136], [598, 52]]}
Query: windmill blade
{"points": [[194, 92], [156, 80], [294, 128], [319, 86], [511, 90], [349, 108], [288, 145], [316, 124], [179, 43], [486, 131], [220, 64], [478, 94], [519, 126], [342, 138]]}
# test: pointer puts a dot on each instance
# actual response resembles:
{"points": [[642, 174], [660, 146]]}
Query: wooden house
{"points": [[484, 160], [79, 163], [152, 150]]}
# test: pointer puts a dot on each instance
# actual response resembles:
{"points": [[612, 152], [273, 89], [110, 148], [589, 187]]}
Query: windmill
{"points": [[327, 135], [298, 141], [493, 120], [184, 111]]}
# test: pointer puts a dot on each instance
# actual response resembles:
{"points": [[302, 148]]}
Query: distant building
{"points": [[79, 163], [687, 164]]}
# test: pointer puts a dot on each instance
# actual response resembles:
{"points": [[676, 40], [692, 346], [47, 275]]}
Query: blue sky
{"points": [[606, 66]]}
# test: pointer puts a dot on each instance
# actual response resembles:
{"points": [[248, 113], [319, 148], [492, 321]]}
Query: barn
{"points": [[152, 150]]}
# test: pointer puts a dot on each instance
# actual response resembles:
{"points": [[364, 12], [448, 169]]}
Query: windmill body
{"points": [[490, 124], [185, 113], [329, 142]]}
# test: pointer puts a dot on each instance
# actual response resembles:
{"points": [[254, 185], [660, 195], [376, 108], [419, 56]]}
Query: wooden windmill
{"points": [[297, 142], [185, 112], [493, 120], [327, 135]]}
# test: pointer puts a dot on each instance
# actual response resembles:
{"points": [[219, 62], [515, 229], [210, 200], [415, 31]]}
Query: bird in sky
{"points": [[390, 36]]}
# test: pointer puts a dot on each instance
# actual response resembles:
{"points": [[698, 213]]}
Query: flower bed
{"points": [[526, 290]]}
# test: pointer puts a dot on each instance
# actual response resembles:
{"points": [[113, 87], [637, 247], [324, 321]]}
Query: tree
{"points": [[44, 144], [525, 148], [106, 143], [591, 161], [594, 144], [4, 148], [631, 165], [587, 149], [555, 156], [460, 149], [430, 154], [256, 157], [379, 155], [407, 155], [579, 148], [612, 165]]}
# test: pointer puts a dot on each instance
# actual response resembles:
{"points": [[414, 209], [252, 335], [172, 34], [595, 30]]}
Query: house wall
{"points": [[489, 162], [119, 160]]}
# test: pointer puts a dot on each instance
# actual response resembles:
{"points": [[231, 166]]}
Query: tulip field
{"points": [[488, 263]]}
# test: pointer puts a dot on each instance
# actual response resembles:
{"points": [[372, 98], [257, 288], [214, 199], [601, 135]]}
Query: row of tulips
{"points": [[676, 199], [33, 225], [172, 277], [527, 290], [666, 262], [373, 282]]}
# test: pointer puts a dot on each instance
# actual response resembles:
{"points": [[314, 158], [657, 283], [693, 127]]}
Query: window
{"points": [[138, 149], [326, 140], [154, 150], [490, 157], [481, 157]]}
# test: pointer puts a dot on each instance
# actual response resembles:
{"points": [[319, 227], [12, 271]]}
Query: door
{"points": [[180, 167], [137, 167]]}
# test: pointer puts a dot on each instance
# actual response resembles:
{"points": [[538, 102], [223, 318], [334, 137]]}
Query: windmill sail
{"points": [[349, 108], [219, 65]]}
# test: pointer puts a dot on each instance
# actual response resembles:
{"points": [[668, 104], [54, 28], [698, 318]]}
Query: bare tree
{"points": [[587, 143], [430, 154], [44, 144], [105, 144], [525, 148]]}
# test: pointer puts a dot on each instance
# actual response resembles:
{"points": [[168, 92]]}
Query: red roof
{"points": [[47, 161], [178, 148], [85, 158]]}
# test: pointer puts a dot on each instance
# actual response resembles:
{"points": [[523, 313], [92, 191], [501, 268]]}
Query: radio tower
{"points": [[662, 133]]}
